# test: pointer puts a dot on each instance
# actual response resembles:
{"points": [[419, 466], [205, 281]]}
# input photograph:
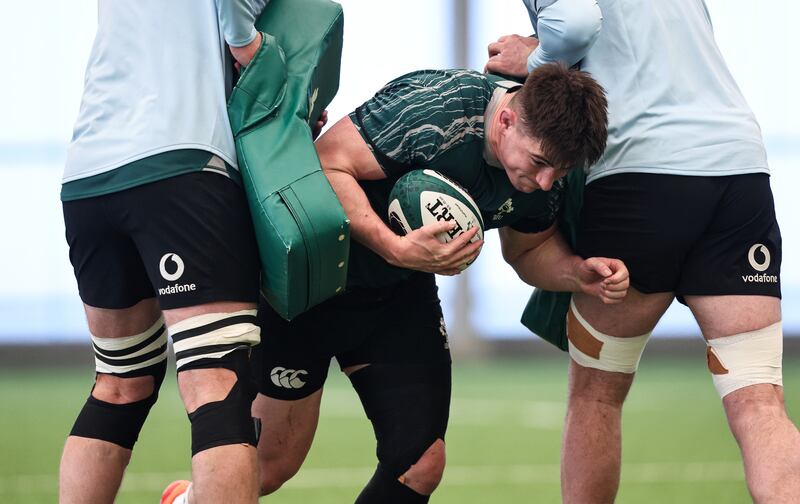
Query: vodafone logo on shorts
{"points": [[175, 263], [757, 265], [171, 268], [760, 259], [287, 378]]}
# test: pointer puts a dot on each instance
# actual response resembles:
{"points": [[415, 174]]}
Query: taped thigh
{"points": [[745, 359], [593, 349], [205, 340]]}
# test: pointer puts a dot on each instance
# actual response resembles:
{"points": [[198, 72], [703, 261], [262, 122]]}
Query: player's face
{"points": [[522, 157]]}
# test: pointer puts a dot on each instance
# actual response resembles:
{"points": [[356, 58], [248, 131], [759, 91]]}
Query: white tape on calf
{"points": [[593, 349], [745, 359]]}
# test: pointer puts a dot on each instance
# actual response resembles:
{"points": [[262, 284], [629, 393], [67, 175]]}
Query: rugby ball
{"points": [[423, 197]]}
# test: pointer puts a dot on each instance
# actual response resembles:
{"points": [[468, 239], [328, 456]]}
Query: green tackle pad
{"points": [[302, 231]]}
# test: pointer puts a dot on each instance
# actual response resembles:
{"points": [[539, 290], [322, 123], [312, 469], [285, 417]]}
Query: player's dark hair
{"points": [[566, 109]]}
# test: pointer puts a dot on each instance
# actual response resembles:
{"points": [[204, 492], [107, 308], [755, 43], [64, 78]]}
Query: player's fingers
{"points": [[466, 254], [436, 228], [495, 48], [461, 240], [615, 294], [455, 246], [616, 278], [471, 258], [599, 266], [620, 273], [449, 272], [617, 281], [616, 287]]}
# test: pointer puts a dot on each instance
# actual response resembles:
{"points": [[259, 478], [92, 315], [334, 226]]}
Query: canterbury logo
{"points": [[751, 257], [287, 378], [176, 265]]}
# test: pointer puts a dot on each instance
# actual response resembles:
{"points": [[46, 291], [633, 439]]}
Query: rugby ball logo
{"points": [[436, 206], [424, 197]]}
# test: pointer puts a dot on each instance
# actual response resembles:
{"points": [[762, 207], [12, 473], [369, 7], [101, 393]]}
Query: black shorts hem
{"points": [[206, 299]]}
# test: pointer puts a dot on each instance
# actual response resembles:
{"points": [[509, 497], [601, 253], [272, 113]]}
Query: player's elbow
{"points": [[572, 30], [582, 31], [515, 257], [511, 254], [330, 157]]}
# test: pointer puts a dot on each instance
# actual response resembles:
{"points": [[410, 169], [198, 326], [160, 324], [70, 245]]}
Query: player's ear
{"points": [[508, 118]]}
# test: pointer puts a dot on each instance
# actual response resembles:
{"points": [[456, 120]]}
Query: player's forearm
{"points": [[366, 227], [551, 266], [567, 29]]}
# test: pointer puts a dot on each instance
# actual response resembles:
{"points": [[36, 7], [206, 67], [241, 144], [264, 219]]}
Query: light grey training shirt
{"points": [[674, 107], [157, 80]]}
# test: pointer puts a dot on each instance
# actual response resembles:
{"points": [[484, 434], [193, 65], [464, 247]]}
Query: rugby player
{"points": [[508, 145], [682, 195], [161, 242]]}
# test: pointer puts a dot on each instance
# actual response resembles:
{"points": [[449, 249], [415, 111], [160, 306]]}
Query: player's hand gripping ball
{"points": [[423, 197]]}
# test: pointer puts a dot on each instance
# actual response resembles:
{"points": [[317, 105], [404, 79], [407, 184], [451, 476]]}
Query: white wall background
{"points": [[45, 46]]}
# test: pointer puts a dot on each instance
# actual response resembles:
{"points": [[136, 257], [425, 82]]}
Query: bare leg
{"points": [[287, 432], [590, 453], [769, 441], [91, 469], [591, 449], [225, 473]]}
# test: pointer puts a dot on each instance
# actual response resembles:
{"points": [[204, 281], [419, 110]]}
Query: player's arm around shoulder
{"points": [[566, 30], [545, 260], [346, 158]]}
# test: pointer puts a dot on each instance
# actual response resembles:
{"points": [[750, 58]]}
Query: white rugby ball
{"points": [[423, 197]]}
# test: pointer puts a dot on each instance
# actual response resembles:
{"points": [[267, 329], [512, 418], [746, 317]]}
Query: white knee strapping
{"points": [[593, 349], [213, 335], [122, 355], [746, 359]]}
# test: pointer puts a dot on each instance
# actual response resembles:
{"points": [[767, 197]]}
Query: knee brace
{"points": [[384, 489], [143, 354], [228, 421], [593, 349], [745, 359], [204, 340], [408, 406]]}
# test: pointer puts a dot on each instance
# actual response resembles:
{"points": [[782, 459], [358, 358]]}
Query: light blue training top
{"points": [[157, 80], [674, 107]]}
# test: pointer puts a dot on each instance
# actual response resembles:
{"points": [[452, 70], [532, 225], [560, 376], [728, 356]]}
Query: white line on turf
{"points": [[547, 415], [355, 477]]}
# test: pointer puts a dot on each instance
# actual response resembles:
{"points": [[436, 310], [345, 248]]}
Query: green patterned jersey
{"points": [[434, 119]]}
